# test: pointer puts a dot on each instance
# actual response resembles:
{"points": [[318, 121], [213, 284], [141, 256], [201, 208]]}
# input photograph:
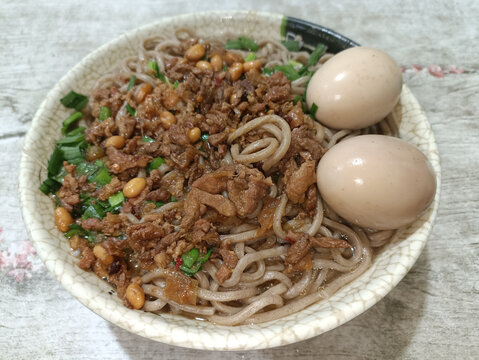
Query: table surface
{"points": [[432, 313]]}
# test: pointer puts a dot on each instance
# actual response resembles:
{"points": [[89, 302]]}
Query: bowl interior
{"points": [[386, 271]]}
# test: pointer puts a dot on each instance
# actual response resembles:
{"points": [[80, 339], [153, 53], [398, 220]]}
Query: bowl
{"points": [[387, 269]]}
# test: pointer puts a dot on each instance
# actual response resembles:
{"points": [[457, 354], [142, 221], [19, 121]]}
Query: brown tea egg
{"points": [[376, 181], [355, 88]]}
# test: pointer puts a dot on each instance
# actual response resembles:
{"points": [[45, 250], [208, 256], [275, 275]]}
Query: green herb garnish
{"points": [[116, 199], [130, 110], [289, 71], [153, 65], [70, 148], [49, 186], [147, 139], [312, 111], [86, 168], [291, 45], [175, 84], [76, 229], [73, 100], [205, 137], [296, 99], [313, 58], [155, 164], [102, 177], [267, 71], [93, 211], [242, 43], [72, 152], [131, 83], [104, 113], [97, 172], [56, 161], [93, 207], [70, 120], [190, 257], [250, 57], [192, 261], [297, 65], [73, 137]]}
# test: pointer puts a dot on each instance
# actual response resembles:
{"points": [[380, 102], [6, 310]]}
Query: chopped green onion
{"points": [[130, 110], [97, 172], [248, 43], [173, 199], [116, 199], [155, 164], [74, 100], [77, 160], [72, 152], [242, 43], [233, 44], [104, 113], [91, 237], [175, 84], [72, 138], [289, 71], [190, 257], [313, 58], [75, 229], [153, 65], [70, 120], [250, 57], [86, 168], [312, 111], [60, 176], [55, 162], [103, 177], [93, 211], [296, 99], [147, 139], [205, 137], [192, 261], [101, 207], [131, 83], [297, 65], [291, 45], [268, 71], [49, 186], [78, 130]]}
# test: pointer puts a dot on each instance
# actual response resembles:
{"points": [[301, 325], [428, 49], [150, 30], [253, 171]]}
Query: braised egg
{"points": [[355, 88], [376, 181]]}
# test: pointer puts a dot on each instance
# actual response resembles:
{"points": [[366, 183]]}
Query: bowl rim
{"points": [[236, 336]]}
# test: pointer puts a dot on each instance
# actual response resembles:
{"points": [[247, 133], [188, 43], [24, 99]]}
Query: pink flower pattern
{"points": [[435, 70], [18, 260]]}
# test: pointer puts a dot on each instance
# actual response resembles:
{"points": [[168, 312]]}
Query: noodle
{"points": [[269, 161]]}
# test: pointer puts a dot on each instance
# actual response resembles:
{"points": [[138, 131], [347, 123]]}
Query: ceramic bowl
{"points": [[387, 269]]}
